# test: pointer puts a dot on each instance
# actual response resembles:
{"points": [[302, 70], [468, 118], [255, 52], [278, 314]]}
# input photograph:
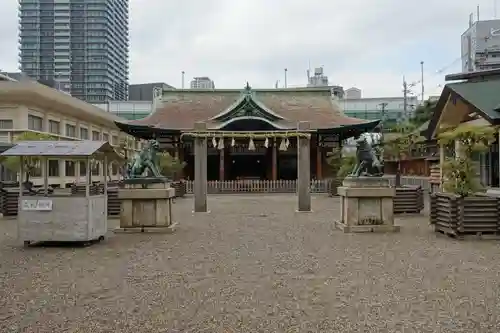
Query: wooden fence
{"points": [[258, 186], [287, 186]]}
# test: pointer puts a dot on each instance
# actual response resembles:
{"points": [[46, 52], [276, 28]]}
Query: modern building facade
{"points": [[353, 93], [202, 82], [32, 107], [130, 110], [388, 109], [144, 91], [83, 45], [481, 46]]}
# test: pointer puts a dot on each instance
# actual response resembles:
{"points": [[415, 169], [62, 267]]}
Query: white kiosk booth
{"points": [[61, 216]]}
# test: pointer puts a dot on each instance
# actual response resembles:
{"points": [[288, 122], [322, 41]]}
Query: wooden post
{"points": [[45, 174], [274, 159], [221, 163], [319, 160], [105, 171], [304, 169], [21, 176], [87, 176], [200, 170]]}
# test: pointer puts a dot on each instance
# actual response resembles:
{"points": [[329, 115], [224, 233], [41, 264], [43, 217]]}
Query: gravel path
{"points": [[253, 265]]}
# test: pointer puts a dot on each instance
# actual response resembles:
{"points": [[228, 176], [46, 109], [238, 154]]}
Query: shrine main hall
{"points": [[242, 127]]}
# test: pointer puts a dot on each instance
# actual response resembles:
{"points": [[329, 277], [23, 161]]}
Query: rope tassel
{"points": [[251, 145], [214, 142], [220, 146], [283, 145], [266, 143], [233, 142]]}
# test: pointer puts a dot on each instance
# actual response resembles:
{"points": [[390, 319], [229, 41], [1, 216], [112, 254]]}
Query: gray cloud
{"points": [[234, 41]]}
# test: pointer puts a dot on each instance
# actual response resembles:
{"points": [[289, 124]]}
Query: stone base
{"points": [[366, 228], [160, 230], [144, 208], [366, 205]]}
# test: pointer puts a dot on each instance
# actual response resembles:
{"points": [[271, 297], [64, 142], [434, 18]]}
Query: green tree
{"points": [[424, 113], [170, 166], [460, 174], [31, 163], [398, 146], [341, 164]]}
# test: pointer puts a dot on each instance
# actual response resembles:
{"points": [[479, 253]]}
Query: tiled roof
{"points": [[181, 109], [483, 95]]}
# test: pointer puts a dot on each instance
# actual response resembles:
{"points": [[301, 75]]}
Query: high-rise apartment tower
{"points": [[82, 44]]}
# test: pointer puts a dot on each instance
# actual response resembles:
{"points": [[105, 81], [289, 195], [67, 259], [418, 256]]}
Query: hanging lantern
{"points": [[283, 145], [214, 142], [233, 143], [266, 143], [251, 145], [220, 146]]}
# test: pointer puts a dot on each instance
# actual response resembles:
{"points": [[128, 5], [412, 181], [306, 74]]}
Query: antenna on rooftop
{"points": [[182, 84]]}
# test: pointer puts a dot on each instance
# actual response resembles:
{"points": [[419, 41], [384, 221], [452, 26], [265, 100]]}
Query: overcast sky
{"points": [[369, 44]]}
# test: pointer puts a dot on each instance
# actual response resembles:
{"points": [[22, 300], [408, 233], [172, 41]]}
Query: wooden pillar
{"points": [[200, 170], [221, 163], [274, 159], [319, 161], [304, 169]]}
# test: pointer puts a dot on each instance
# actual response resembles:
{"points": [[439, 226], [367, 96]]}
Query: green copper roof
{"points": [[483, 95]]}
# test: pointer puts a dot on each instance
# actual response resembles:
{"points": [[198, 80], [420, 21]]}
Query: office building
{"points": [[202, 82], [318, 79], [389, 109], [144, 91], [353, 93], [481, 46], [130, 110], [83, 45]]}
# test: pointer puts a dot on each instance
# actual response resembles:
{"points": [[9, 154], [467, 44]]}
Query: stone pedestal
{"points": [[146, 207], [366, 205]]}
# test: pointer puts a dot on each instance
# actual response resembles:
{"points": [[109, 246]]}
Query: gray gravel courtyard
{"points": [[253, 265]]}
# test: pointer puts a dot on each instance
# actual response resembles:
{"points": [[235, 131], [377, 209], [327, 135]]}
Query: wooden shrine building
{"points": [[257, 112]]}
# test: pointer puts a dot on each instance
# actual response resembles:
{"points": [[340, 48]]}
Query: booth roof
{"points": [[84, 148]]}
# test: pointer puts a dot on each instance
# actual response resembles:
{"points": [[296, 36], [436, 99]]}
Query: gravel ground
{"points": [[253, 265]]}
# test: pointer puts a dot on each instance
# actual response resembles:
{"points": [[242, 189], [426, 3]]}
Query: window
{"points": [[83, 168], [96, 136], [53, 168], [6, 124], [35, 123], [114, 140], [105, 137], [54, 127], [70, 168], [71, 130], [96, 168], [84, 133]]}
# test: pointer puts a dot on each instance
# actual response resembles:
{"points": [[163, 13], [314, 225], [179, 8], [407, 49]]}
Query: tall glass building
{"points": [[82, 44]]}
